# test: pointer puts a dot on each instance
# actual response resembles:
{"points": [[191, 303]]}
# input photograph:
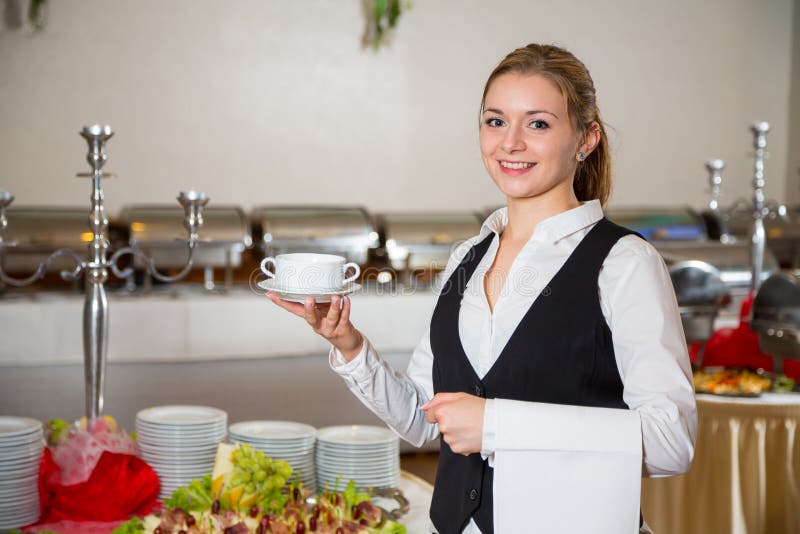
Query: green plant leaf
{"points": [[394, 12], [380, 9]]}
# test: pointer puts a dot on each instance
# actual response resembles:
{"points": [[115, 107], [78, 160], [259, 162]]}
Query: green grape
{"points": [[260, 474], [246, 466], [284, 469]]}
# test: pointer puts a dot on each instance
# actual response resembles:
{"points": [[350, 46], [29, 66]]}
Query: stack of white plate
{"points": [[281, 440], [180, 442], [369, 455], [21, 446]]}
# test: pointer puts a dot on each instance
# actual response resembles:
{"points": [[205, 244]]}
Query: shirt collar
{"points": [[553, 228]]}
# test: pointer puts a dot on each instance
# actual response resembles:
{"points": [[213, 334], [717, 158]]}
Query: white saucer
{"points": [[293, 294]]}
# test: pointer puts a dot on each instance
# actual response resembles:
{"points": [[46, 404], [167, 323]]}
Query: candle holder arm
{"points": [[80, 264], [149, 263]]}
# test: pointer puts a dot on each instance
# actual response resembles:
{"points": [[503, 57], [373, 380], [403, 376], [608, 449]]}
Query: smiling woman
{"points": [[550, 100], [555, 371]]}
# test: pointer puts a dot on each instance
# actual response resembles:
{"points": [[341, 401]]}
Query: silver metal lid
{"points": [[47, 228], [776, 317], [302, 223], [732, 260], [344, 230], [163, 225], [425, 240]]}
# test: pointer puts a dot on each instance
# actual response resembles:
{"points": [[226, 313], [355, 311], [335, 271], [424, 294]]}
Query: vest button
{"points": [[478, 391], [473, 494]]}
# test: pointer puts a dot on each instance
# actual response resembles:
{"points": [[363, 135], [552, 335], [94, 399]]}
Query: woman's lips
{"points": [[515, 168]]}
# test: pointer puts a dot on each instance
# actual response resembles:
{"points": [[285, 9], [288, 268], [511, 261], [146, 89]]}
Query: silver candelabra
{"points": [[757, 209], [758, 237], [96, 265]]}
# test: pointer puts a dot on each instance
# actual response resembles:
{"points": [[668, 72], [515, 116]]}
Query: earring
{"points": [[581, 156]]}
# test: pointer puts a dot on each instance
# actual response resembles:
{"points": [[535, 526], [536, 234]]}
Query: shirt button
{"points": [[473, 494]]}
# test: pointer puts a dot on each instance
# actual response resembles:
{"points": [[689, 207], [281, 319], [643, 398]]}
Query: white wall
{"points": [[793, 156], [274, 100]]}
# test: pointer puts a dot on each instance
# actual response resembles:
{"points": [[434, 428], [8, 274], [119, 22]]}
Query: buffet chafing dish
{"points": [[34, 233], [421, 243], [158, 231], [776, 317], [700, 293], [704, 274], [732, 260], [731, 263], [343, 230], [661, 223]]}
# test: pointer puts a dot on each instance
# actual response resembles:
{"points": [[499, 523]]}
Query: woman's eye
{"points": [[539, 125], [494, 122]]}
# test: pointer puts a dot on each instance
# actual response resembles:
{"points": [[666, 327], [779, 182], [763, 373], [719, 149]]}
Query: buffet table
{"points": [[745, 478], [239, 352]]}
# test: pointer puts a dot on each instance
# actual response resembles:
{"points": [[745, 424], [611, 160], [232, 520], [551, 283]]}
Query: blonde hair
{"points": [[593, 175]]}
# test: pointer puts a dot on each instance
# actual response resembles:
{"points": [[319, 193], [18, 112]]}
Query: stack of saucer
{"points": [[281, 440], [369, 455], [21, 446], [180, 442]]}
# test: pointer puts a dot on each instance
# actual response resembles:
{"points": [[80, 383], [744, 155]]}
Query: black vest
{"points": [[561, 352]]}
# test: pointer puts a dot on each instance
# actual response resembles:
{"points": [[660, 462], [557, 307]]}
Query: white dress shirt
{"points": [[638, 303]]}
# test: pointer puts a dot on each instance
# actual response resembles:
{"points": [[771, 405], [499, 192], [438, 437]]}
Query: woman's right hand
{"points": [[330, 320]]}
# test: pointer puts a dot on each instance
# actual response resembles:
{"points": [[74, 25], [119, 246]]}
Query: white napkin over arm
{"points": [[583, 463]]}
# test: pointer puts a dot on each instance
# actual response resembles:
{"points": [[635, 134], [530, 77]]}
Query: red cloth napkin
{"points": [[121, 485], [738, 347]]}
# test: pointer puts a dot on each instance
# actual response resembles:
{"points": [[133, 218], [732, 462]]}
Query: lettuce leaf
{"points": [[390, 527], [352, 496], [195, 497], [133, 526]]}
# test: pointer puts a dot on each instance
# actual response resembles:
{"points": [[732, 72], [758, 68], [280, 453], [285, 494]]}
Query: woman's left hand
{"points": [[460, 420]]}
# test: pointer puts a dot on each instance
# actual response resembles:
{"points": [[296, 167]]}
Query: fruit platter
{"points": [[248, 492]]}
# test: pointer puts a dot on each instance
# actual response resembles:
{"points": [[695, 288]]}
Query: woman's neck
{"points": [[524, 214]]}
